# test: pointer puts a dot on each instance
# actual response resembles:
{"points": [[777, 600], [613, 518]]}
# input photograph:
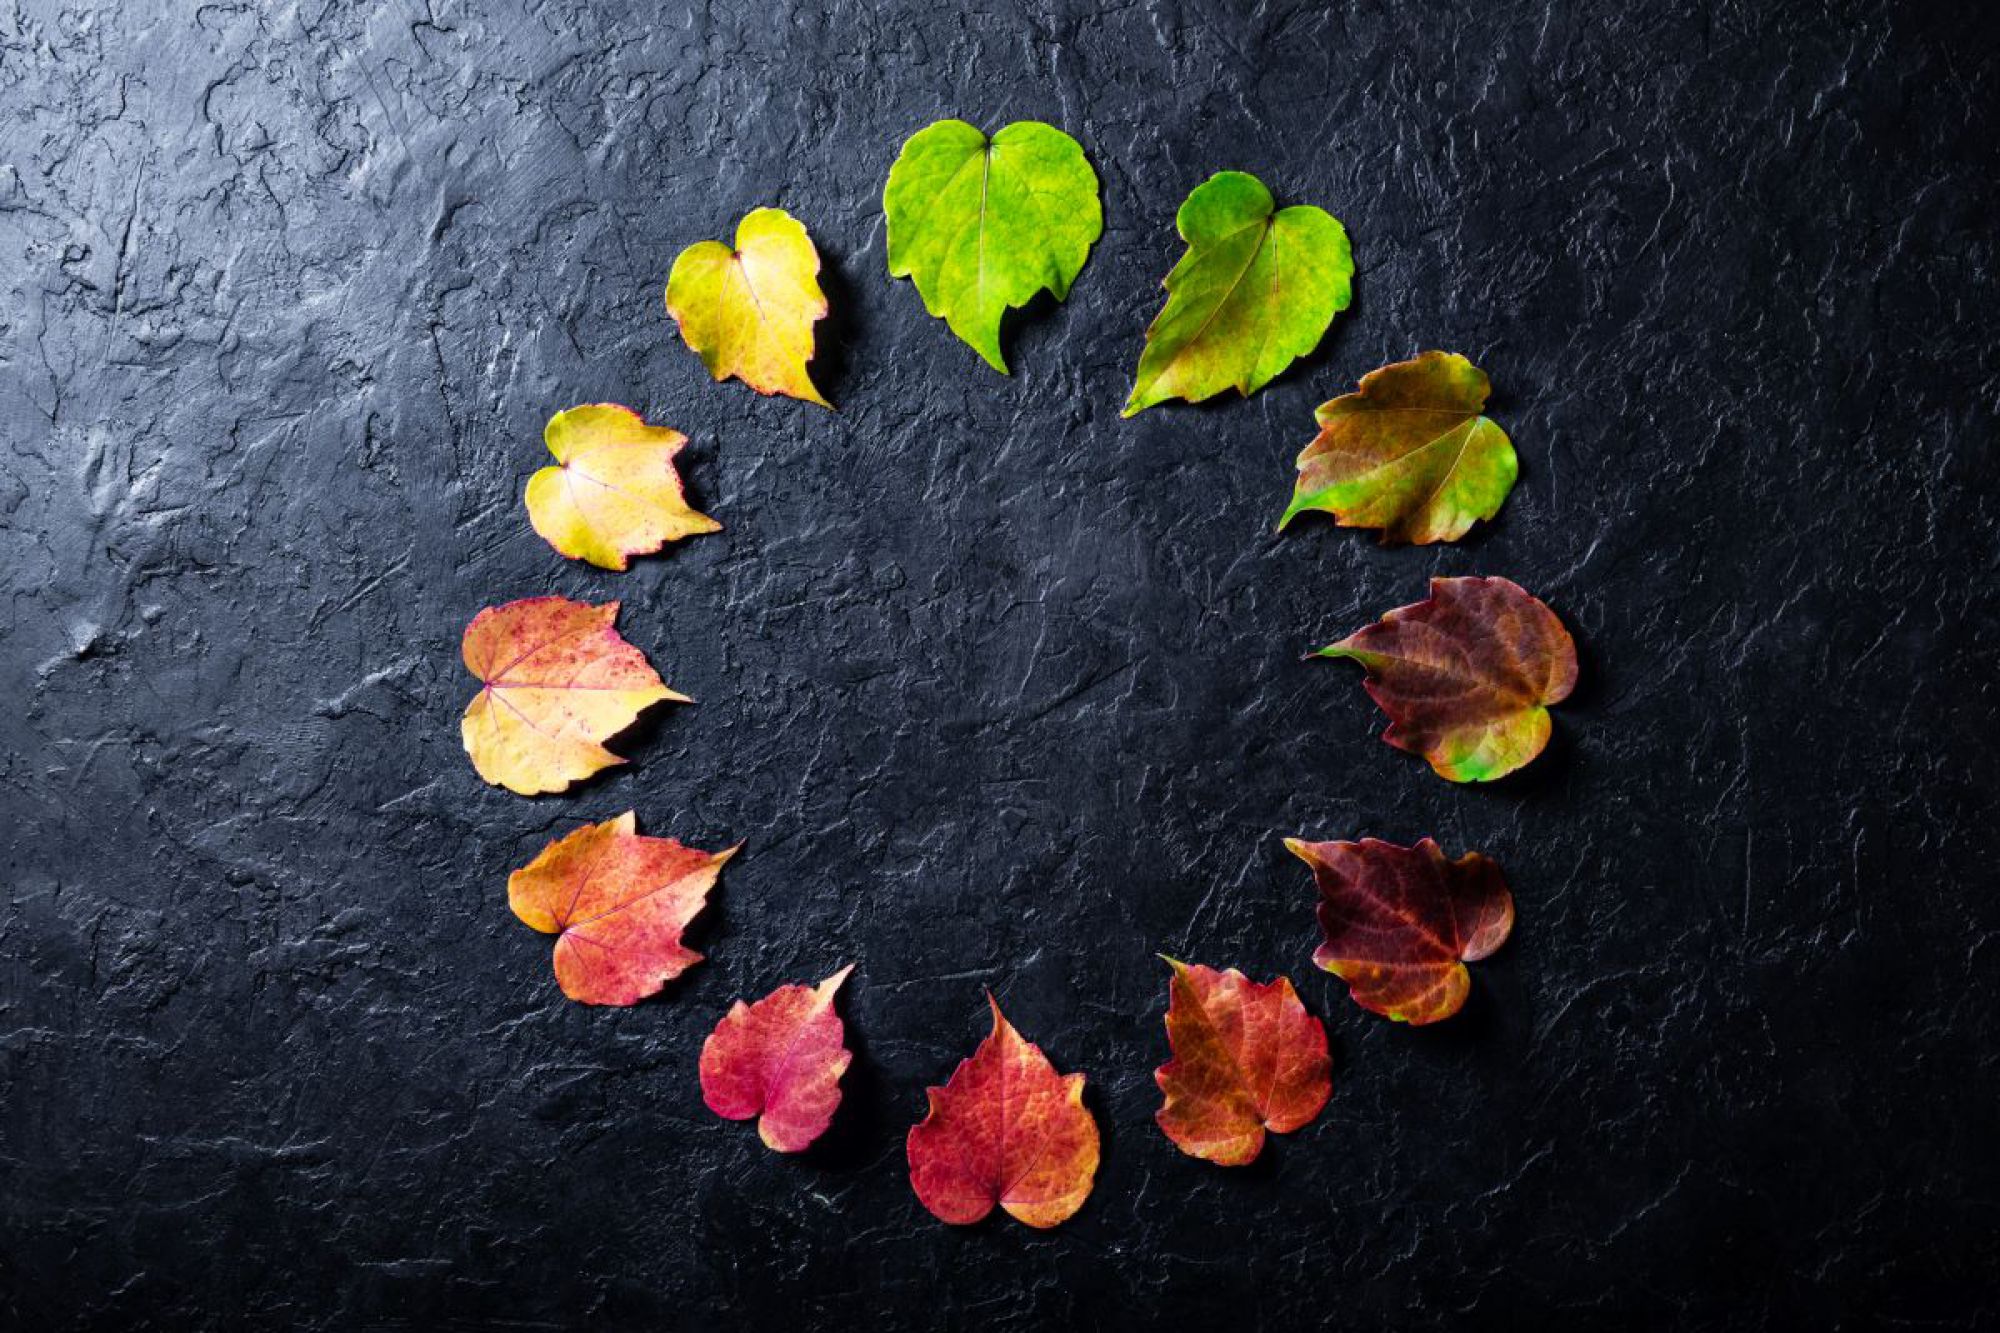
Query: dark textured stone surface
{"points": [[1002, 691]]}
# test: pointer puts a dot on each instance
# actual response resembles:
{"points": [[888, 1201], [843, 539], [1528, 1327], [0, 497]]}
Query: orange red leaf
{"points": [[618, 902], [780, 1060], [558, 682], [1005, 1129], [1466, 676], [613, 492], [1247, 1058], [1401, 923]]}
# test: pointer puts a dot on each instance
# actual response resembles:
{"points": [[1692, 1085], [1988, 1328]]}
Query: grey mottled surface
{"points": [[1002, 691]]}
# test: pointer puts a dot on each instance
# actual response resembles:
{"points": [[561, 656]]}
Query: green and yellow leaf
{"points": [[1255, 291], [981, 225]]}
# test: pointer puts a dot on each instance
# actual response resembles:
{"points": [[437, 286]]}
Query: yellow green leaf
{"points": [[749, 312], [981, 225]]}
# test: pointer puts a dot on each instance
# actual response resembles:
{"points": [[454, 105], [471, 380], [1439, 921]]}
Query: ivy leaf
{"points": [[1401, 923], [984, 224], [1005, 1129], [1254, 292], [558, 682], [749, 312], [780, 1060], [1466, 675], [1409, 454], [1247, 1058], [617, 903], [614, 492]]}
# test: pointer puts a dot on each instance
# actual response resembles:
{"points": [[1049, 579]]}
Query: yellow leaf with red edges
{"points": [[749, 312], [614, 492], [1247, 1058], [1006, 1129], [618, 903], [558, 682]]}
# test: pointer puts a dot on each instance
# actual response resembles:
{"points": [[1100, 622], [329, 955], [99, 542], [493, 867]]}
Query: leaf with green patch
{"points": [[1410, 454], [1466, 675]]}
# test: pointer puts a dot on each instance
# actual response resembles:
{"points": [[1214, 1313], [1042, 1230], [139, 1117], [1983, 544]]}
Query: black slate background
{"points": [[1003, 692]]}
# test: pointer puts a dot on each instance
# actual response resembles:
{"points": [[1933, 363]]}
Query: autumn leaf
{"points": [[558, 683], [984, 224], [1401, 923], [749, 312], [779, 1059], [617, 903], [1255, 291], [614, 492], [1409, 454], [1466, 675], [1247, 1058], [1005, 1129]]}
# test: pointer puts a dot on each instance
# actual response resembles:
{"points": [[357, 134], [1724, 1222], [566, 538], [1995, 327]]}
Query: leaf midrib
{"points": [[1268, 222], [1260, 1105]]}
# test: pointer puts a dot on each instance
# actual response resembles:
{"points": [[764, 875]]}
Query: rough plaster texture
{"points": [[1002, 691]]}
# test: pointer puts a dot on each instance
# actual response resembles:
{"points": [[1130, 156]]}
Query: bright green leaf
{"points": [[1255, 291], [984, 224]]}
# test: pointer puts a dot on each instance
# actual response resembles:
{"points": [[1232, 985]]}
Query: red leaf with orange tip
{"points": [[780, 1060], [1401, 923], [1466, 675], [1247, 1058], [1006, 1129], [618, 902]]}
